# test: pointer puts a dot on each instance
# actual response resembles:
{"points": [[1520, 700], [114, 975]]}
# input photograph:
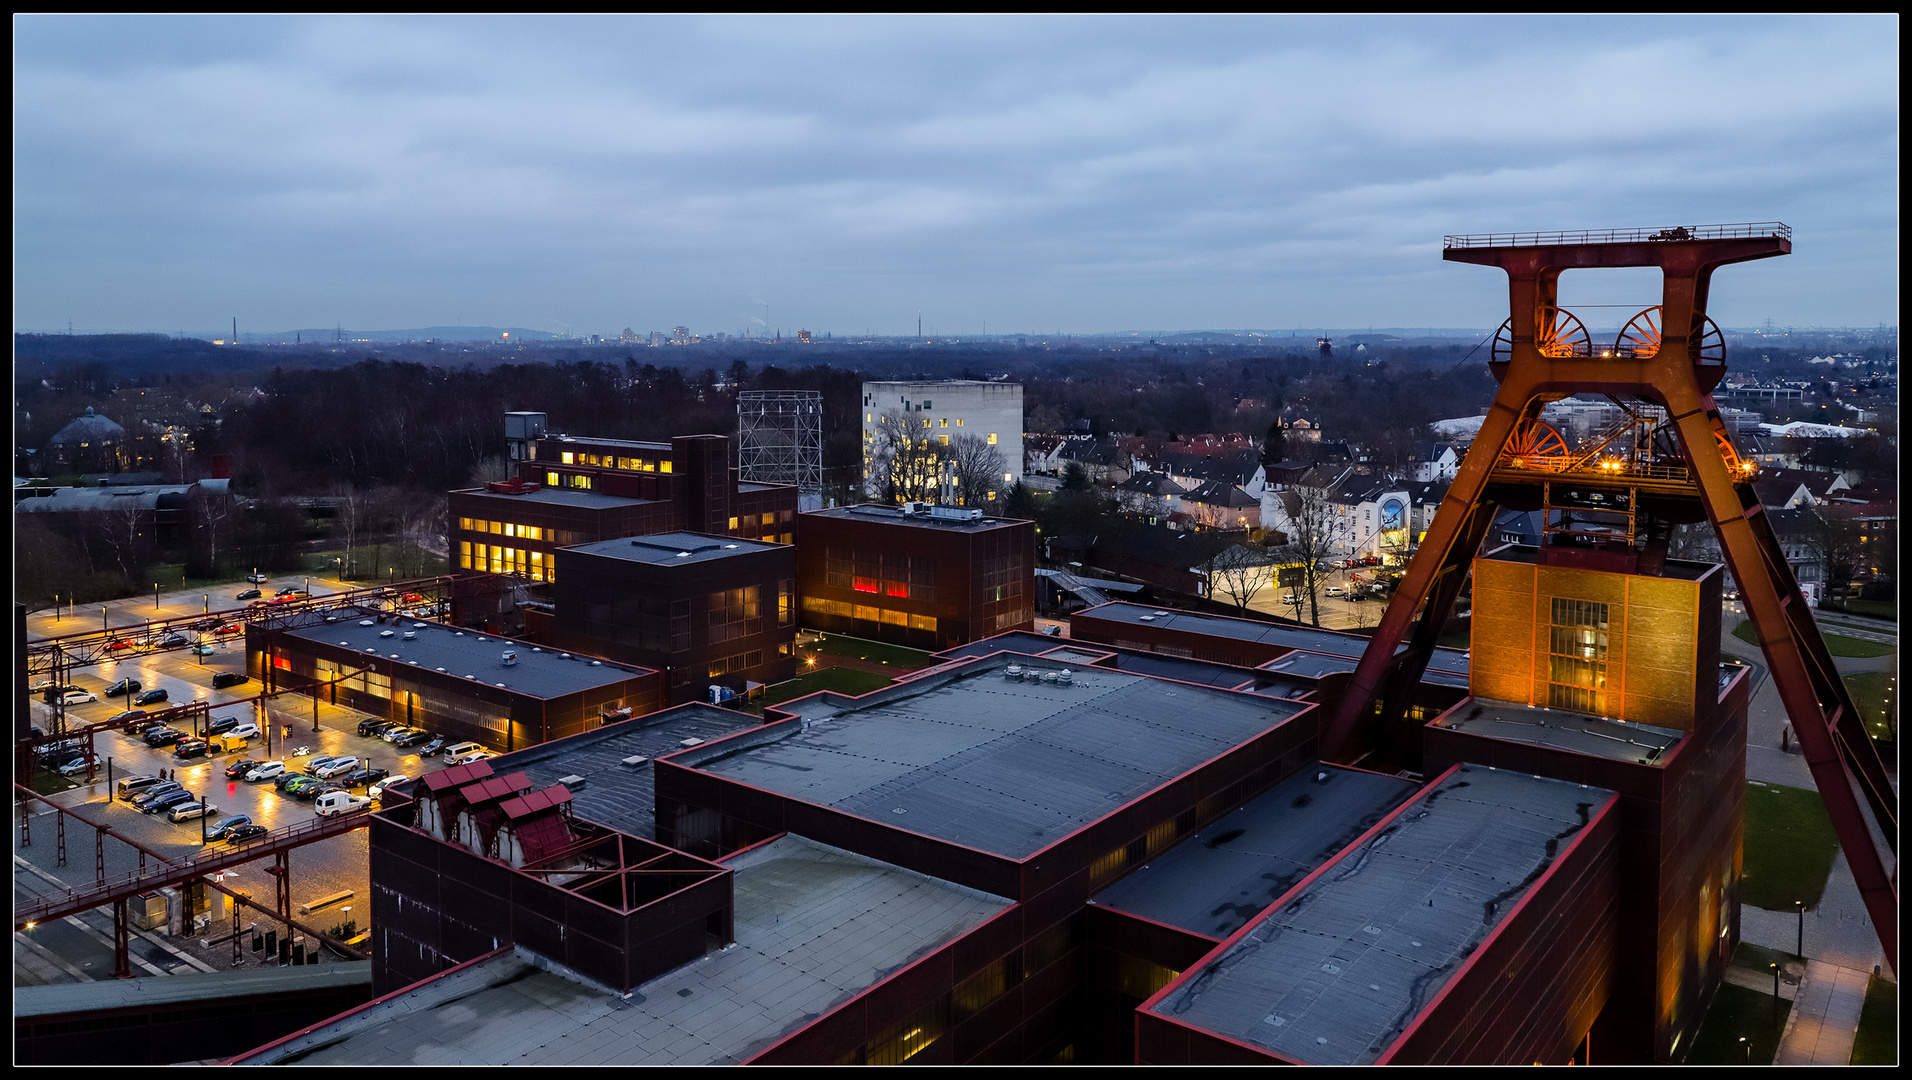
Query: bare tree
{"points": [[490, 470], [353, 514], [1239, 572], [906, 464], [978, 468], [1315, 534]]}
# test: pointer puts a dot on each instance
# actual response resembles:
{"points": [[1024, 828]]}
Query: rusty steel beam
{"points": [[1844, 762]]}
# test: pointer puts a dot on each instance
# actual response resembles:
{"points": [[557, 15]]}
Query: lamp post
{"points": [[1800, 951], [1748, 1048], [1775, 968], [155, 596]]}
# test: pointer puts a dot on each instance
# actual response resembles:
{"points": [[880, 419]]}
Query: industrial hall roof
{"points": [[673, 549], [1212, 883], [1578, 733], [999, 764], [555, 496], [609, 771], [814, 926], [1295, 637], [1337, 972], [470, 656]]}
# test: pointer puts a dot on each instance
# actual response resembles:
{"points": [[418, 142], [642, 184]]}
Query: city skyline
{"points": [[994, 176]]}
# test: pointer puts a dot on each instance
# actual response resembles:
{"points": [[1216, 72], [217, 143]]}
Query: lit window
{"points": [[551, 479], [992, 438], [925, 421], [567, 458], [733, 524], [869, 418], [663, 466], [959, 421], [942, 440], [944, 422], [1007, 477]]}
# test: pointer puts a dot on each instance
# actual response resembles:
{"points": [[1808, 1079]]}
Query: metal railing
{"points": [[1747, 230]]}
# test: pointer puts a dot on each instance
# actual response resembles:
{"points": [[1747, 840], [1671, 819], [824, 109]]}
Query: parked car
{"points": [[156, 694], [331, 769], [265, 771], [372, 726], [154, 791], [456, 753], [393, 734], [77, 697], [127, 717], [239, 834], [120, 645], [412, 598], [189, 748], [164, 736], [190, 811], [240, 768], [173, 641], [124, 686], [229, 678], [1335, 590], [230, 628], [302, 787], [249, 594], [434, 746], [362, 777], [203, 649], [413, 738], [219, 725], [247, 730], [151, 803], [218, 829], [333, 803], [74, 767], [377, 790], [258, 579], [42, 686], [130, 786]]}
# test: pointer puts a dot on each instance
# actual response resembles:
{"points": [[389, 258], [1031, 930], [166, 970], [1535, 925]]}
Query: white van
{"points": [[459, 753]]}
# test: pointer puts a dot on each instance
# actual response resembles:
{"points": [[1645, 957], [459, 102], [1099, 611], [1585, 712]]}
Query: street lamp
{"points": [[1775, 968], [155, 596], [1748, 1048], [1801, 950]]}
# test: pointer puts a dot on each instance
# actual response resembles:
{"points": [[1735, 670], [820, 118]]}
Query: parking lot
{"points": [[67, 949]]}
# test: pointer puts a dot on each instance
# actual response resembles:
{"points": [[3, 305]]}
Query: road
{"points": [[135, 613]]}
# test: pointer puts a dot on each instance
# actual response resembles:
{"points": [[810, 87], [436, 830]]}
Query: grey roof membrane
{"points": [[1304, 664], [1452, 661], [1215, 881], [673, 549], [614, 794], [554, 496], [541, 673], [1337, 973], [1579, 733], [1137, 661], [892, 515], [189, 986], [996, 764], [815, 927]]}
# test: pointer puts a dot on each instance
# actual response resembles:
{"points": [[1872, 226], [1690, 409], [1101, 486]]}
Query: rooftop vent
{"points": [[1148, 618], [683, 554], [1013, 672], [728, 547], [564, 656], [331, 618], [384, 633], [597, 663], [1161, 613], [365, 622], [634, 761], [690, 742], [510, 657], [411, 635], [573, 782]]}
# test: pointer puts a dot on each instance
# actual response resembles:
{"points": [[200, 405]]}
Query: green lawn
{"points": [[1836, 644], [1877, 1042], [874, 651], [1790, 846], [842, 680], [1738, 1013], [1877, 609], [1870, 692]]}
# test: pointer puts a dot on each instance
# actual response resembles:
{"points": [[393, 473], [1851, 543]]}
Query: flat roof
{"points": [[1137, 661], [1452, 661], [894, 515], [1007, 766], [1617, 740], [550, 496], [815, 926], [115, 994], [1304, 664], [673, 549], [616, 794], [1675, 568], [553, 436], [1335, 974], [1213, 882], [539, 672]]}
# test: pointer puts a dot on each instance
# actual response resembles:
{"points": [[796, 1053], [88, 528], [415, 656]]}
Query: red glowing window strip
{"points": [[897, 588], [864, 584]]}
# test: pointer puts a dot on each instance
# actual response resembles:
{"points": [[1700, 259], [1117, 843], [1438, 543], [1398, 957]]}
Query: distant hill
{"points": [[327, 335]]}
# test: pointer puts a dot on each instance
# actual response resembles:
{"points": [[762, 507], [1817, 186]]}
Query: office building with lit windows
{"points": [[925, 577], [581, 491], [940, 412], [704, 609]]}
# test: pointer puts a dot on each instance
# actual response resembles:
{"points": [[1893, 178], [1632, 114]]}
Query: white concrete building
{"points": [[941, 411]]}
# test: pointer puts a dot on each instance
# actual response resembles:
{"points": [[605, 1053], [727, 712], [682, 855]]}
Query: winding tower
{"points": [[1609, 506]]}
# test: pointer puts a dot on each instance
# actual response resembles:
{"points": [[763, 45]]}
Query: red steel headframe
{"points": [[1845, 764]]}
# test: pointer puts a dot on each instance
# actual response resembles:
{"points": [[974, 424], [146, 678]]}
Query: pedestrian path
{"points": [[1824, 1018]]}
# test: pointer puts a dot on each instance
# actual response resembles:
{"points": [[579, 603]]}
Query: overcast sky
{"points": [[1010, 174]]}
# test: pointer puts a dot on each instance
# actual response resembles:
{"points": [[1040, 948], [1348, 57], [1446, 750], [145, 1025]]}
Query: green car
{"points": [[303, 787]]}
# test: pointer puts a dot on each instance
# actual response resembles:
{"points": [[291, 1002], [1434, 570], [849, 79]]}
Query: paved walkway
{"points": [[1824, 1018]]}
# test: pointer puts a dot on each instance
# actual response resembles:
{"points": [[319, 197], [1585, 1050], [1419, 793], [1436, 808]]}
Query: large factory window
{"points": [[1577, 656]]}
